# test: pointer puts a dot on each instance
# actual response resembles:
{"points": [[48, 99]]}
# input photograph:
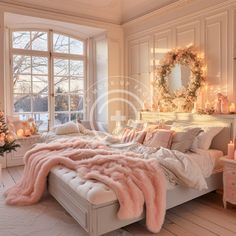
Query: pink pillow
{"points": [[159, 138], [131, 135]]}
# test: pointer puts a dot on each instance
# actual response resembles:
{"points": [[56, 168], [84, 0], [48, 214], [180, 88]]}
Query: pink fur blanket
{"points": [[134, 180]]}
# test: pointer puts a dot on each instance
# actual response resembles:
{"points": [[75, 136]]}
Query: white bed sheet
{"points": [[208, 160]]}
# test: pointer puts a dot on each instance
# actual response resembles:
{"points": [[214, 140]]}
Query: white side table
{"points": [[229, 181], [15, 158]]}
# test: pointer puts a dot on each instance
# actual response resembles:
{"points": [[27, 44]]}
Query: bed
{"points": [[94, 206]]}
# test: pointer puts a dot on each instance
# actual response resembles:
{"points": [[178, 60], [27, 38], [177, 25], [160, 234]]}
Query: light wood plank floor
{"points": [[204, 216]]}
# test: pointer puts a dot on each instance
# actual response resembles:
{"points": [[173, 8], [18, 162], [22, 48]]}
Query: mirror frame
{"points": [[183, 56]]}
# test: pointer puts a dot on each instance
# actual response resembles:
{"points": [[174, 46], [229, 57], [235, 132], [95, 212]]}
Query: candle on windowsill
{"points": [[231, 150], [232, 108], [207, 105], [20, 133], [0, 173]]}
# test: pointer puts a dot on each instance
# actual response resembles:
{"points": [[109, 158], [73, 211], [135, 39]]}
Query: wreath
{"points": [[183, 56]]}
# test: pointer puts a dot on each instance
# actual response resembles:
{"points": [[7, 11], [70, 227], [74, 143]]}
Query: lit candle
{"points": [[207, 105], [232, 108], [0, 173], [27, 133], [206, 92], [231, 150], [11, 137], [20, 133], [206, 88]]}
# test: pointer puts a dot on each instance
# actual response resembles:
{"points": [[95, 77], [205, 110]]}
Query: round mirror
{"points": [[177, 80]]}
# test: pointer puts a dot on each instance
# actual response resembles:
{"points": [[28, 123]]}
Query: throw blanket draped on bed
{"points": [[134, 180]]}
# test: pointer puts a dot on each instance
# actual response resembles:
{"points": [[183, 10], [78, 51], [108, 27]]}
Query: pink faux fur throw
{"points": [[134, 180]]}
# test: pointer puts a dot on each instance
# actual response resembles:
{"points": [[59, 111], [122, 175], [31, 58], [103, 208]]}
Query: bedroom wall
{"points": [[209, 25]]}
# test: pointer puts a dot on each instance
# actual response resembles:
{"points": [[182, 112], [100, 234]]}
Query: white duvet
{"points": [[185, 169], [180, 168]]}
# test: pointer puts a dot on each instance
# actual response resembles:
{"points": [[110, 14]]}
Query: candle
{"points": [[231, 150], [207, 105], [11, 137], [206, 93], [232, 107], [27, 132], [20, 133], [0, 173]]}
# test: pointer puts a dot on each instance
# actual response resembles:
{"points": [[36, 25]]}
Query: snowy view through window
{"points": [[48, 81]]}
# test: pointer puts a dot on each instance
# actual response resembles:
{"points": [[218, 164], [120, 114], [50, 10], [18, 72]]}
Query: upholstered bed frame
{"points": [[102, 218]]}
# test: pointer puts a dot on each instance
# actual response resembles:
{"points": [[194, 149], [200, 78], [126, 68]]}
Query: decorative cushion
{"points": [[132, 135], [67, 128], [158, 138], [203, 140], [183, 140]]}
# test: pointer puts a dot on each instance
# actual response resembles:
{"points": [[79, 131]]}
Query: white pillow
{"points": [[67, 128], [204, 139]]}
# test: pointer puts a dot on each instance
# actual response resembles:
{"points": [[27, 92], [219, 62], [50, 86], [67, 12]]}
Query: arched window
{"points": [[48, 76]]}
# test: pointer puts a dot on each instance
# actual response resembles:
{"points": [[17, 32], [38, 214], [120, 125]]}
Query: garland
{"points": [[187, 57]]}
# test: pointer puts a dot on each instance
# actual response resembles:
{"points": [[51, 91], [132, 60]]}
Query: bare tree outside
{"points": [[30, 73]]}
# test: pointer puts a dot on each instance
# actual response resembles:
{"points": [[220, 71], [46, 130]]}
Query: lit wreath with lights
{"points": [[183, 56]]}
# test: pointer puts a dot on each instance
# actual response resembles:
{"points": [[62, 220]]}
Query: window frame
{"points": [[51, 55]]}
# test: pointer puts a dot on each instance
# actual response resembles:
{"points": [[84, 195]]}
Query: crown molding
{"points": [[159, 11], [32, 7], [180, 20], [171, 7], [97, 19]]}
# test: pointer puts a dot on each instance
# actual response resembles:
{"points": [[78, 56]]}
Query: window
{"points": [[48, 76]]}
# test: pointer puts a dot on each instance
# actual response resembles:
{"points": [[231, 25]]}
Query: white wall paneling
{"points": [[187, 34], [216, 43], [140, 66], [211, 29], [162, 44]]}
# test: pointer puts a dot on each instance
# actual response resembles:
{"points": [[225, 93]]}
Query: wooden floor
{"points": [[204, 216]]}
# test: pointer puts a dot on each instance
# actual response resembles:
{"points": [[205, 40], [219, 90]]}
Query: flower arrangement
{"points": [[7, 138], [183, 56]]}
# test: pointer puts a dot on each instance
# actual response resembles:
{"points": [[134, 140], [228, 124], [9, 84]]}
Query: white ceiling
{"points": [[114, 11]]}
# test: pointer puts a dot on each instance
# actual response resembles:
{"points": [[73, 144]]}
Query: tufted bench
{"points": [[92, 204], [94, 192]]}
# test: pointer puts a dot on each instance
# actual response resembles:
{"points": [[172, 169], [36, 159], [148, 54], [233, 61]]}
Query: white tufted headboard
{"points": [[219, 142]]}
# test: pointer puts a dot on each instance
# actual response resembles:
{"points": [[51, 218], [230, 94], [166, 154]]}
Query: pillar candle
{"points": [[232, 107], [0, 173], [231, 150]]}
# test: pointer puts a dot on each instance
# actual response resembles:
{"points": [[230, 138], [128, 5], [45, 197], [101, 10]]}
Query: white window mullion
{"points": [[31, 92], [51, 80]]}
